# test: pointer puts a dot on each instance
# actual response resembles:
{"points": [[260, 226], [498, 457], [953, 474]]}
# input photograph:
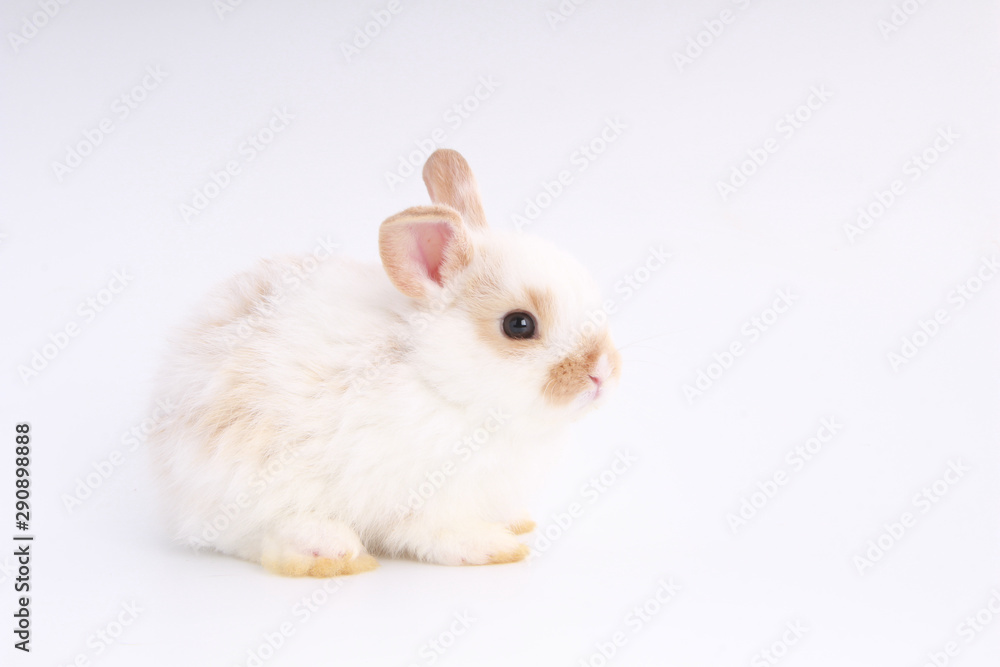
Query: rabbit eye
{"points": [[519, 324]]}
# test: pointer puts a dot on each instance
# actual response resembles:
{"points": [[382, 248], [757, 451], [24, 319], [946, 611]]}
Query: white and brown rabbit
{"points": [[405, 409]]}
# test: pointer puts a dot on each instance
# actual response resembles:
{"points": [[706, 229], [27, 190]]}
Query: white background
{"points": [[688, 125]]}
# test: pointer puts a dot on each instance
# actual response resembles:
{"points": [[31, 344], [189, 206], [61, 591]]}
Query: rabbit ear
{"points": [[450, 181], [423, 248]]}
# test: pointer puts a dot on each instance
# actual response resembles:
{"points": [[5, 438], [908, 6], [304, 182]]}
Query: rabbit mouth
{"points": [[594, 395]]}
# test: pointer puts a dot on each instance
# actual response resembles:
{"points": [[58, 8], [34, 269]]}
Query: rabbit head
{"points": [[500, 319]]}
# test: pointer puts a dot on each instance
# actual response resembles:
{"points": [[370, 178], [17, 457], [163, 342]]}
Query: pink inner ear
{"points": [[427, 246]]}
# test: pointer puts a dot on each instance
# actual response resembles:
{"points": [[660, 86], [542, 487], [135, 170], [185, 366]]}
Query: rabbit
{"points": [[330, 412]]}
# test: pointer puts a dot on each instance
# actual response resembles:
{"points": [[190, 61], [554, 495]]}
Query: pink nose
{"points": [[601, 371]]}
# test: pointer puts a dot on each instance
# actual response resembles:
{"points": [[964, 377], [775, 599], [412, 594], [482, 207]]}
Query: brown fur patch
{"points": [[487, 301], [363, 563], [450, 180], [288, 565], [521, 527], [303, 565], [514, 556], [325, 567], [542, 306], [231, 420], [571, 376]]}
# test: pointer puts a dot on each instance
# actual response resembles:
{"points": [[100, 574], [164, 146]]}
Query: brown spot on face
{"points": [[542, 306], [488, 301], [571, 376]]}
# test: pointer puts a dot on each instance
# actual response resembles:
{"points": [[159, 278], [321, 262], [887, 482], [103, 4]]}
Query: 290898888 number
{"points": [[22, 482]]}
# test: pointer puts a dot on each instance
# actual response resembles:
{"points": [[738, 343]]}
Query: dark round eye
{"points": [[519, 325]]}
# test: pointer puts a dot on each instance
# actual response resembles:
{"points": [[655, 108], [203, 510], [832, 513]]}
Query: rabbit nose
{"points": [[601, 370]]}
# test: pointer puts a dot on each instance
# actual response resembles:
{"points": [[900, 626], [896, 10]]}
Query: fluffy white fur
{"points": [[325, 415]]}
